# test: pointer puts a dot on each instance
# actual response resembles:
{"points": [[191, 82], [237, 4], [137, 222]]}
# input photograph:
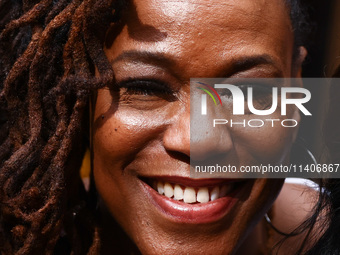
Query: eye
{"points": [[146, 88], [261, 92], [262, 95]]}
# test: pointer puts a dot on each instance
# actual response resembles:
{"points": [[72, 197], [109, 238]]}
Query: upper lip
{"points": [[191, 182]]}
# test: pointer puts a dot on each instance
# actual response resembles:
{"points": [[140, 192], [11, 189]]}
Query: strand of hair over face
{"points": [[49, 51]]}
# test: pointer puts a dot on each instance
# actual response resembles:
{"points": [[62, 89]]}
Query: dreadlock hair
{"points": [[49, 52]]}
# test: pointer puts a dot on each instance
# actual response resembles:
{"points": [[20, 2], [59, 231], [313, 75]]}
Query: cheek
{"points": [[267, 144], [120, 131], [122, 136], [272, 144], [118, 135], [118, 139]]}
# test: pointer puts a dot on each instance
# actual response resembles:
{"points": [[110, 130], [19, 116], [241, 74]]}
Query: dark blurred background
{"points": [[323, 58], [324, 43]]}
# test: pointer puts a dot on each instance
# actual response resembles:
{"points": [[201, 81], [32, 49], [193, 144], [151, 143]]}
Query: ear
{"points": [[297, 64], [297, 73], [297, 117]]}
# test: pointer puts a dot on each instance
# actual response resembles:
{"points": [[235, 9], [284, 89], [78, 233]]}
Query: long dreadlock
{"points": [[48, 53]]}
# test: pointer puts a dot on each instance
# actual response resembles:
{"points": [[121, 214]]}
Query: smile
{"points": [[191, 195], [186, 200]]}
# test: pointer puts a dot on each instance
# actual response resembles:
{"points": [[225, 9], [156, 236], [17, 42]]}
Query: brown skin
{"points": [[148, 135]]}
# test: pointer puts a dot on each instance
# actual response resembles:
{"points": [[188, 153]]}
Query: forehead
{"points": [[206, 31], [215, 12]]}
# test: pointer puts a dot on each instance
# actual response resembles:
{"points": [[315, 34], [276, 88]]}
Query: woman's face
{"points": [[141, 130]]}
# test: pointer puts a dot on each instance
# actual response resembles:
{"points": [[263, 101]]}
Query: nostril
{"points": [[205, 142], [183, 157]]}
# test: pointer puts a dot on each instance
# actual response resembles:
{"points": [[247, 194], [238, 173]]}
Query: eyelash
{"points": [[145, 87], [156, 88], [262, 94]]}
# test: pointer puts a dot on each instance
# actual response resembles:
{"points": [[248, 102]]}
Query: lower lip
{"points": [[192, 213]]}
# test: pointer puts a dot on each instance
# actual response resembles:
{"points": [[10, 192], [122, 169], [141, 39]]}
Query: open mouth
{"points": [[189, 200], [192, 195]]}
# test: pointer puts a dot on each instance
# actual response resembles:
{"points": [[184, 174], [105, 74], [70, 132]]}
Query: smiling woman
{"points": [[134, 62], [151, 114]]}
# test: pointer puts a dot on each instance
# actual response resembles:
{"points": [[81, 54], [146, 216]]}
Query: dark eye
{"points": [[149, 88], [262, 95]]}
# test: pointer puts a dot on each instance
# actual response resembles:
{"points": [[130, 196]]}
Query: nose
{"points": [[192, 134], [177, 135], [206, 140]]}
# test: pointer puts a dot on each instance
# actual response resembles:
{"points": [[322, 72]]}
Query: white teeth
{"points": [[160, 188], [168, 190], [178, 192], [225, 190], [214, 194], [203, 195], [189, 195]]}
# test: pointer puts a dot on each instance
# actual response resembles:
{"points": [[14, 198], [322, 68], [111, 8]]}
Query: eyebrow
{"points": [[248, 62], [236, 65], [145, 57]]}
